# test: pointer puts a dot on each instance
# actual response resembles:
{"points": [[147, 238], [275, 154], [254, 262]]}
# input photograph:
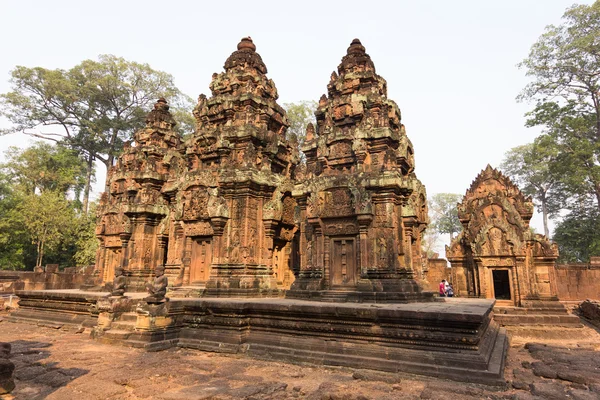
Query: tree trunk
{"points": [[88, 183], [545, 215], [597, 193], [107, 164], [38, 260]]}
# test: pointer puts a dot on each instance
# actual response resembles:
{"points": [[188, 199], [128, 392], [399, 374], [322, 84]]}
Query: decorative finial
{"points": [[161, 104], [356, 47], [246, 43]]}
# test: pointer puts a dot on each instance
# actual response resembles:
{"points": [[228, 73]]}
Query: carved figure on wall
{"points": [[118, 286], [158, 288], [382, 244], [309, 252]]}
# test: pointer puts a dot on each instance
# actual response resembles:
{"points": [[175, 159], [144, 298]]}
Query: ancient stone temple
{"points": [[496, 255], [228, 214], [237, 213], [134, 216], [217, 211], [362, 209]]}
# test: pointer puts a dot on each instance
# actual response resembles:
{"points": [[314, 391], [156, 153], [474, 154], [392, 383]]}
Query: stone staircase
{"points": [[538, 313], [335, 295], [120, 329]]}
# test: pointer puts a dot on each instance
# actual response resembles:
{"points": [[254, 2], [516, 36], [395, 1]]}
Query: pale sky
{"points": [[450, 65]]}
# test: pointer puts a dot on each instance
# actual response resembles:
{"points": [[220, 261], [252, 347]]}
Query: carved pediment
{"points": [[194, 203], [337, 203], [493, 240]]}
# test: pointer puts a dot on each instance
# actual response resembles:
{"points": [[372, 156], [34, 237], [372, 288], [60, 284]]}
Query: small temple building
{"points": [[497, 255], [362, 209], [134, 215]]}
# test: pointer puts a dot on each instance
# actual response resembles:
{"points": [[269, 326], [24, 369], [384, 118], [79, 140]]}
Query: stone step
{"points": [[533, 311], [128, 317], [123, 326], [117, 334], [334, 296], [551, 320]]}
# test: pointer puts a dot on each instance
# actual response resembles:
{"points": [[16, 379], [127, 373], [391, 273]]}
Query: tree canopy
{"points": [[529, 166], [40, 214], [444, 214], [561, 169], [299, 115], [93, 107], [564, 65]]}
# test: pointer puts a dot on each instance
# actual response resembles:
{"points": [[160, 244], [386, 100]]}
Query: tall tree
{"points": [[47, 217], [578, 234], [443, 213], [565, 87], [529, 166], [44, 167], [299, 115], [93, 107], [39, 221], [15, 244]]}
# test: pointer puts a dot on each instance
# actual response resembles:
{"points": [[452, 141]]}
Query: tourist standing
{"points": [[443, 288]]}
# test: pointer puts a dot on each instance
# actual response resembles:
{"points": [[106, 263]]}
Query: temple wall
{"points": [[578, 282], [29, 280], [437, 269]]}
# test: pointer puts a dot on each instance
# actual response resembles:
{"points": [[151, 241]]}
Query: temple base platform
{"points": [[455, 339]]}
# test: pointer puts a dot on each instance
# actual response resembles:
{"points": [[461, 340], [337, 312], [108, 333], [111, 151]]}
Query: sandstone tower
{"points": [[362, 209]]}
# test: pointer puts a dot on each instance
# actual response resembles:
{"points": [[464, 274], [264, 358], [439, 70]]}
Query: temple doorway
{"points": [[113, 260], [343, 262], [201, 260], [501, 284]]}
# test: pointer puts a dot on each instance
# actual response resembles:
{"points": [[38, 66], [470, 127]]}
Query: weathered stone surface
{"points": [[549, 390], [581, 394], [543, 370], [7, 367], [367, 375], [591, 310], [100, 371]]}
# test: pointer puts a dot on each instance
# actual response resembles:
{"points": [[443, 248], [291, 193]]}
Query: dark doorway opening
{"points": [[501, 284]]}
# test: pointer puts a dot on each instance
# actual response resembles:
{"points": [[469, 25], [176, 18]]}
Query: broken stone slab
{"points": [[7, 383], [549, 390]]}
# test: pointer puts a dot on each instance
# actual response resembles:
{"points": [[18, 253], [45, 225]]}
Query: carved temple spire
{"points": [[241, 124], [159, 127], [245, 56], [357, 125]]}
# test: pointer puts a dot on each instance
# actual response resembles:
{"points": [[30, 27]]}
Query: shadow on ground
{"points": [[34, 378]]}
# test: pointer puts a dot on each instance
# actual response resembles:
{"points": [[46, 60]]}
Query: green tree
{"points": [[299, 115], [529, 167], [38, 221], [578, 234], [93, 107], [48, 217], [86, 242], [44, 167], [429, 241], [15, 244], [443, 213], [565, 87]]}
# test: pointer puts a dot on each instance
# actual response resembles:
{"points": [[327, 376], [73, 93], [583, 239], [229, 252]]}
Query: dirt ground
{"points": [[58, 364]]}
